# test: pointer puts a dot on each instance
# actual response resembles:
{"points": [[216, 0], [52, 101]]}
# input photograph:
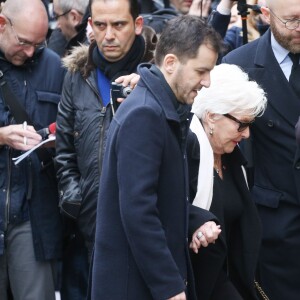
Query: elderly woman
{"points": [[223, 114]]}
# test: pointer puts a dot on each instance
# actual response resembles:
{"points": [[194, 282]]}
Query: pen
{"points": [[25, 128]]}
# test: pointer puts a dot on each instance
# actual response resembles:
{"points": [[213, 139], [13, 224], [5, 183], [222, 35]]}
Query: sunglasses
{"points": [[242, 125]]}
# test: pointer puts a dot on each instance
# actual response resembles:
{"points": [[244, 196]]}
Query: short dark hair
{"points": [[183, 36], [133, 7]]}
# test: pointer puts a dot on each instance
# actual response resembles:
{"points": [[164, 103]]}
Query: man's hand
{"points": [[200, 8], [180, 296], [224, 7], [130, 80], [205, 235], [15, 136]]}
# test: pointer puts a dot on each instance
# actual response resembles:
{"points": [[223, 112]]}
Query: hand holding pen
{"points": [[21, 137]]}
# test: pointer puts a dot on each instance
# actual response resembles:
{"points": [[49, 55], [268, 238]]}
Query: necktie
{"points": [[295, 73]]}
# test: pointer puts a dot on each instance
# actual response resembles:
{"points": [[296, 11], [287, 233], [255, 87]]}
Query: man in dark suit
{"points": [[141, 244], [276, 188]]}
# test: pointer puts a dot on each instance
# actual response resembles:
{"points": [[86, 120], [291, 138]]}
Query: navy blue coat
{"points": [[30, 192], [141, 248], [276, 189]]}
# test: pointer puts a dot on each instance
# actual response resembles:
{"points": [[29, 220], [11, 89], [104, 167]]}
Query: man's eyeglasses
{"points": [[25, 44], [56, 17], [242, 125], [289, 24]]}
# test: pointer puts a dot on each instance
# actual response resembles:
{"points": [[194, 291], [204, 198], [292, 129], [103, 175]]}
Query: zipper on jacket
{"points": [[7, 200], [101, 126], [101, 135], [8, 186], [94, 89]]}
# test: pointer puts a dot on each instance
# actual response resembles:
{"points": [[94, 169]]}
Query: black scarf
{"points": [[124, 66]]}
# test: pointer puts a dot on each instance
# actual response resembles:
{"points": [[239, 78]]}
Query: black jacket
{"points": [[82, 124], [276, 189], [241, 253]]}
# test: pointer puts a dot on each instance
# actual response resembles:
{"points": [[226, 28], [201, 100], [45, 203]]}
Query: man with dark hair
{"points": [[30, 222], [141, 247], [85, 112]]}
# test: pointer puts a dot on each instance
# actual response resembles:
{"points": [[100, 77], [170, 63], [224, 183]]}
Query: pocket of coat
{"points": [[46, 108], [266, 197], [48, 97]]}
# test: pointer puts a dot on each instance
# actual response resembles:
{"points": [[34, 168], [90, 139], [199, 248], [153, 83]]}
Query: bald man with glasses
{"points": [[30, 222]]}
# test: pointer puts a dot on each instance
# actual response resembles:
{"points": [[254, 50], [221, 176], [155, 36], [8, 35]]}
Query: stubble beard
{"points": [[285, 41]]}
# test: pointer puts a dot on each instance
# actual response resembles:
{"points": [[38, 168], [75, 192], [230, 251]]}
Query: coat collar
{"points": [[161, 91], [268, 73]]}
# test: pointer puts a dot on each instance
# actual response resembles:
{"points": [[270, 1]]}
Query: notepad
{"points": [[18, 159]]}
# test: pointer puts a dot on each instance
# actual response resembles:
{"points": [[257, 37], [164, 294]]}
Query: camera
{"points": [[118, 91]]}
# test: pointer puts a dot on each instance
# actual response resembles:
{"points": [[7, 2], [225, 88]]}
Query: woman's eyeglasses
{"points": [[242, 125]]}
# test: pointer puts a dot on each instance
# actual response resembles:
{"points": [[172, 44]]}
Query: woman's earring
{"points": [[211, 131]]}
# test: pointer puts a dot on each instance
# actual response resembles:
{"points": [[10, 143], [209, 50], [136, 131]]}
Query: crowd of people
{"points": [[188, 188]]}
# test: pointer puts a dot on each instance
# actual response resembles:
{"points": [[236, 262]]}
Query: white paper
{"points": [[18, 159]]}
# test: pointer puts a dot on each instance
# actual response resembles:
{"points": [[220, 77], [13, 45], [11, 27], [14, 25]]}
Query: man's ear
{"points": [[266, 13], [170, 63], [139, 21], [90, 21], [3, 22], [75, 16]]}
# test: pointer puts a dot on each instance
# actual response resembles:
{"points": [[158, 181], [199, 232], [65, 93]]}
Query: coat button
{"points": [[76, 133], [297, 165], [270, 123]]}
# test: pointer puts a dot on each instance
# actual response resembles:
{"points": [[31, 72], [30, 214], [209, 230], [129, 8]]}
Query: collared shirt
{"points": [[282, 57]]}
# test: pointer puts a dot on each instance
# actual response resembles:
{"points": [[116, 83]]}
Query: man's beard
{"points": [[286, 41]]}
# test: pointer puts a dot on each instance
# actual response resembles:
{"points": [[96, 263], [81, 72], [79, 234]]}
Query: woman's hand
{"points": [[205, 235]]}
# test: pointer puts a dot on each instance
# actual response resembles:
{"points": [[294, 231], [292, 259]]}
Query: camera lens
{"points": [[126, 91]]}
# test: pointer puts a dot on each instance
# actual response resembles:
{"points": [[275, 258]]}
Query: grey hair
{"points": [[78, 5], [230, 91]]}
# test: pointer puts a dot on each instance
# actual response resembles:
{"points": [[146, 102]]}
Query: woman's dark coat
{"points": [[241, 253]]}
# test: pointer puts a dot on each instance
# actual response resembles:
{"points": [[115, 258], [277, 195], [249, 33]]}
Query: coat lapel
{"points": [[268, 73]]}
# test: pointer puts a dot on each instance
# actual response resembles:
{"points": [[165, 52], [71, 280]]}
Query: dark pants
{"points": [[75, 268], [279, 262], [225, 289]]}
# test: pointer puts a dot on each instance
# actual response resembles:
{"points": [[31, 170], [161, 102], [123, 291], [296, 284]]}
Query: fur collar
{"points": [[80, 57]]}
